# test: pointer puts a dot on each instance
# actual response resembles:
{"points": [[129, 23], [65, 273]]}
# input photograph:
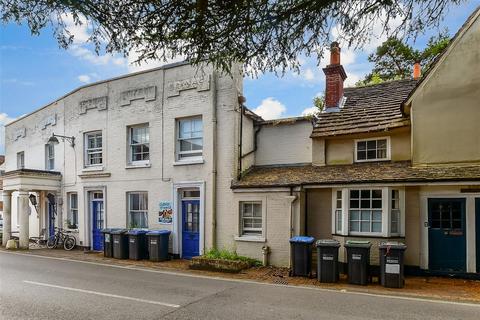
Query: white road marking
{"points": [[180, 274], [102, 294]]}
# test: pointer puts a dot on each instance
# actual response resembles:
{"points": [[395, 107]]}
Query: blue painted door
{"points": [[477, 231], [446, 235], [97, 225], [190, 228], [51, 219]]}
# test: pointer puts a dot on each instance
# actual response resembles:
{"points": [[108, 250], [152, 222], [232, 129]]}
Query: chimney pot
{"points": [[417, 71], [334, 53]]}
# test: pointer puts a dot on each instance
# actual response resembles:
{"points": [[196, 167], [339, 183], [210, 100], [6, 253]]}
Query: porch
{"points": [[26, 195]]}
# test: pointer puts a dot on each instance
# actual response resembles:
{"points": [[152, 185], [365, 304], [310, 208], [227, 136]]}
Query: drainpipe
{"points": [[214, 160], [240, 141], [292, 198], [255, 143]]}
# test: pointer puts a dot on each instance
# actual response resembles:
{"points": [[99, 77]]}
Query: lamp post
{"points": [[53, 139]]}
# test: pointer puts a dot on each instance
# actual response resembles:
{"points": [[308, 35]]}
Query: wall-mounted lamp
{"points": [[53, 139], [33, 200]]}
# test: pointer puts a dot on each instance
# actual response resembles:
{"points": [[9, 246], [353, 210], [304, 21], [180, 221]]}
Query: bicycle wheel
{"points": [[69, 243], [52, 242]]}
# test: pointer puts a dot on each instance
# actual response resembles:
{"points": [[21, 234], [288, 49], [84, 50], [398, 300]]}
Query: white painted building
{"points": [[146, 150]]}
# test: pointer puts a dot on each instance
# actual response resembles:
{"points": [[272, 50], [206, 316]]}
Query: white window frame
{"points": [[138, 211], [256, 232], [88, 151], [21, 160], [386, 212], [71, 210], [49, 157], [130, 145], [388, 156], [178, 152]]}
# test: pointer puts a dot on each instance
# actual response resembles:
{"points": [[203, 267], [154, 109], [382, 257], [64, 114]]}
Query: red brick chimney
{"points": [[335, 76], [417, 71]]}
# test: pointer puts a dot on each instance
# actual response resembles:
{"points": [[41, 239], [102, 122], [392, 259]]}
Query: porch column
{"points": [[7, 216], [23, 219]]}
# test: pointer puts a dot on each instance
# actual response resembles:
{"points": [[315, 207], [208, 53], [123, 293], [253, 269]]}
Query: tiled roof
{"points": [[359, 173], [367, 109]]}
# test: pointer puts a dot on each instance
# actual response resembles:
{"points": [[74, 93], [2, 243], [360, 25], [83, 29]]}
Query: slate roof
{"points": [[358, 173], [367, 109]]}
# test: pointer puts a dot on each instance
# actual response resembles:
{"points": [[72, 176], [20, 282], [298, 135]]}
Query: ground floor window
{"points": [[137, 209], [251, 218], [375, 211], [72, 216]]}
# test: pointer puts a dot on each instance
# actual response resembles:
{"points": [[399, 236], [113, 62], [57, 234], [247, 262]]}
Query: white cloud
{"points": [[270, 108], [309, 75], [4, 119], [352, 78], [309, 111], [79, 32], [85, 78]]}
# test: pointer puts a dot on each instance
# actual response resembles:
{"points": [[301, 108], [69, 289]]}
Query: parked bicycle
{"points": [[61, 237]]}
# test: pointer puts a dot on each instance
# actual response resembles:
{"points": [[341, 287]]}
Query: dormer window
{"points": [[374, 149]]}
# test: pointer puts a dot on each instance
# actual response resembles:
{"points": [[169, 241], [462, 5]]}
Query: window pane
{"points": [[354, 204], [362, 155], [365, 215], [365, 204], [382, 144], [371, 144], [365, 194], [365, 226], [354, 215], [377, 194], [377, 215], [381, 153], [361, 145], [376, 204], [354, 226], [354, 194], [376, 227], [371, 154]]}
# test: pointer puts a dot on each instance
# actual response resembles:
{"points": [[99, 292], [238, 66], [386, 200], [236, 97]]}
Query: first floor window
{"points": [[189, 138], [371, 149], [72, 221], [139, 144], [138, 209], [49, 156], [20, 160], [93, 149], [251, 218]]}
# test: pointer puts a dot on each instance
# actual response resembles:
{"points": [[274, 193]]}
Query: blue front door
{"points": [[51, 219], [446, 235], [477, 230], [97, 225], [190, 228]]}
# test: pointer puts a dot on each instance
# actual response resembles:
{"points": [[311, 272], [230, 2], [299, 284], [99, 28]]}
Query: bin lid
{"points": [[118, 231], [327, 243], [392, 245], [136, 232], [302, 239], [357, 244], [157, 232]]}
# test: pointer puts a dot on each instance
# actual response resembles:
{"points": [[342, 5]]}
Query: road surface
{"points": [[33, 287]]}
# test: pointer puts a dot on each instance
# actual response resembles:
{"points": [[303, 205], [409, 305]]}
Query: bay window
{"points": [[374, 212]]}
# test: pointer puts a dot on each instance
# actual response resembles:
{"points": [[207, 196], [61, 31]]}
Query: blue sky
{"points": [[35, 71]]}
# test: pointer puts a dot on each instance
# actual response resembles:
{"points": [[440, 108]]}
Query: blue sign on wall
{"points": [[165, 213]]}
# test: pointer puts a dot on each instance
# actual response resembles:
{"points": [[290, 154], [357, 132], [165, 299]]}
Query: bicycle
{"points": [[61, 237]]}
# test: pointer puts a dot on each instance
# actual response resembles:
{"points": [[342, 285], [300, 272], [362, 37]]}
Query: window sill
{"points": [[250, 239], [93, 168], [186, 163], [138, 166], [372, 160]]}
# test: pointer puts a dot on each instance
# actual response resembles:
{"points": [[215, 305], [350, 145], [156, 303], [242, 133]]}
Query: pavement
{"points": [[41, 287]]}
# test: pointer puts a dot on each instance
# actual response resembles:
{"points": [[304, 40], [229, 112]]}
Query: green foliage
{"points": [[394, 59], [264, 35], [319, 103], [225, 254]]}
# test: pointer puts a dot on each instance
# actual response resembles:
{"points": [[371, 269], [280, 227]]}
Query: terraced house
{"points": [[393, 161], [174, 148]]}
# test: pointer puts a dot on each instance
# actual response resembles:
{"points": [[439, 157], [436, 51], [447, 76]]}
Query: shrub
{"points": [[225, 254]]}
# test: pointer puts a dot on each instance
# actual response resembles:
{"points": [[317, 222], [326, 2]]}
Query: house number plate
{"points": [[356, 256], [153, 242], [328, 257], [392, 268]]}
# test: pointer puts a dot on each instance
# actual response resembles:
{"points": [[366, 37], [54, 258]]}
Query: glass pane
{"points": [[377, 194], [354, 194], [382, 154], [361, 155], [354, 203], [339, 204], [371, 154], [257, 210], [376, 204], [365, 194], [382, 144], [354, 226], [134, 201], [354, 215], [371, 144], [361, 145], [377, 215], [376, 227], [365, 215], [339, 195], [365, 204], [365, 226]]}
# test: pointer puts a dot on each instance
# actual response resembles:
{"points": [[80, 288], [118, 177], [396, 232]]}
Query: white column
{"points": [[7, 216], [23, 219]]}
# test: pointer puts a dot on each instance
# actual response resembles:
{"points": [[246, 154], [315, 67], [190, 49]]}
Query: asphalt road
{"points": [[39, 288]]}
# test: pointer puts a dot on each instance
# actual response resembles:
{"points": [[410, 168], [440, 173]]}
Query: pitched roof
{"points": [[358, 173], [367, 109]]}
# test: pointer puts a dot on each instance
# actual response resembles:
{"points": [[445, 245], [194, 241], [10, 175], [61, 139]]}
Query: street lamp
{"points": [[53, 139]]}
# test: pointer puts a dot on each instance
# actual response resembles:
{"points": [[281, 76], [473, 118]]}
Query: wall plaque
{"points": [[48, 121], [94, 103], [201, 83], [20, 133], [147, 93]]}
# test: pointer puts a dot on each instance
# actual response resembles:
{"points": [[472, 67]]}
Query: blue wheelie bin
{"points": [[301, 252]]}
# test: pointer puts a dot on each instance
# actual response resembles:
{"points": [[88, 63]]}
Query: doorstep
{"points": [[437, 288]]}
